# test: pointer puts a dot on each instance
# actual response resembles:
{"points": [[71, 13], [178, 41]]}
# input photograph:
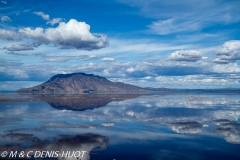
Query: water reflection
{"points": [[186, 127], [81, 102], [230, 130], [191, 126], [62, 143]]}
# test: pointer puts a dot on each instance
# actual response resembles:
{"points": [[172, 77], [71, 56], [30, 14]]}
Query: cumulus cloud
{"points": [[5, 18], [20, 47], [228, 53], [73, 34], [54, 21], [43, 15], [186, 127], [164, 73], [111, 59], [171, 74], [186, 55], [9, 35]]}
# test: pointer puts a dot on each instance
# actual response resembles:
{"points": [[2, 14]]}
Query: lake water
{"points": [[130, 127]]}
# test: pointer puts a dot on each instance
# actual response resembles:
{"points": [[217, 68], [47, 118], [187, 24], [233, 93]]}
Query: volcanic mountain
{"points": [[82, 83]]}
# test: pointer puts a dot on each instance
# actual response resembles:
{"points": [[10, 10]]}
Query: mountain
{"points": [[82, 83]]}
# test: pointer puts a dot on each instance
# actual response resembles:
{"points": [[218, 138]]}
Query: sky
{"points": [[156, 43]]}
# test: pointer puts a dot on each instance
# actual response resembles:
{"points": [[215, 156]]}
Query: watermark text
{"points": [[42, 154]]}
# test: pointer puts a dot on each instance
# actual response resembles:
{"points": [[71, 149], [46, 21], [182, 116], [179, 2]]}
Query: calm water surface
{"points": [[150, 127]]}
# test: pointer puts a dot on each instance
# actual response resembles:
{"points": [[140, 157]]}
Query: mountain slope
{"points": [[82, 83]]}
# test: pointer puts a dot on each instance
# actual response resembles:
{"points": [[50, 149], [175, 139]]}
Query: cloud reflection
{"points": [[183, 113], [230, 130], [186, 127], [62, 143]]}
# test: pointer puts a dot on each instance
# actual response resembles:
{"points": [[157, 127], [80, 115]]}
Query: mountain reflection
{"points": [[81, 102]]}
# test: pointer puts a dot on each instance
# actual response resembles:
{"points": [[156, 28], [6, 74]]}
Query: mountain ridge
{"points": [[82, 83]]}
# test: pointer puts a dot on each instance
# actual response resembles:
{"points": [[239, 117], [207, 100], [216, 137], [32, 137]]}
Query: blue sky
{"points": [[174, 44]]}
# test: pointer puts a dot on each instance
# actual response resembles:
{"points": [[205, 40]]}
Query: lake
{"points": [[121, 127]]}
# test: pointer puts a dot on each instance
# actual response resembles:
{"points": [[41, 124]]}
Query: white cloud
{"points": [[120, 47], [65, 58], [186, 55], [54, 21], [147, 77], [73, 34], [229, 47], [47, 18], [5, 18], [221, 61], [169, 74], [43, 15], [59, 59], [130, 113], [4, 2], [9, 35], [168, 26], [108, 124], [186, 16], [130, 70], [20, 47], [141, 46], [111, 59], [7, 62], [14, 85], [229, 52]]}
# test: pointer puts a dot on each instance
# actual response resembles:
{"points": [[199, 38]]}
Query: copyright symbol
{"points": [[4, 154]]}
